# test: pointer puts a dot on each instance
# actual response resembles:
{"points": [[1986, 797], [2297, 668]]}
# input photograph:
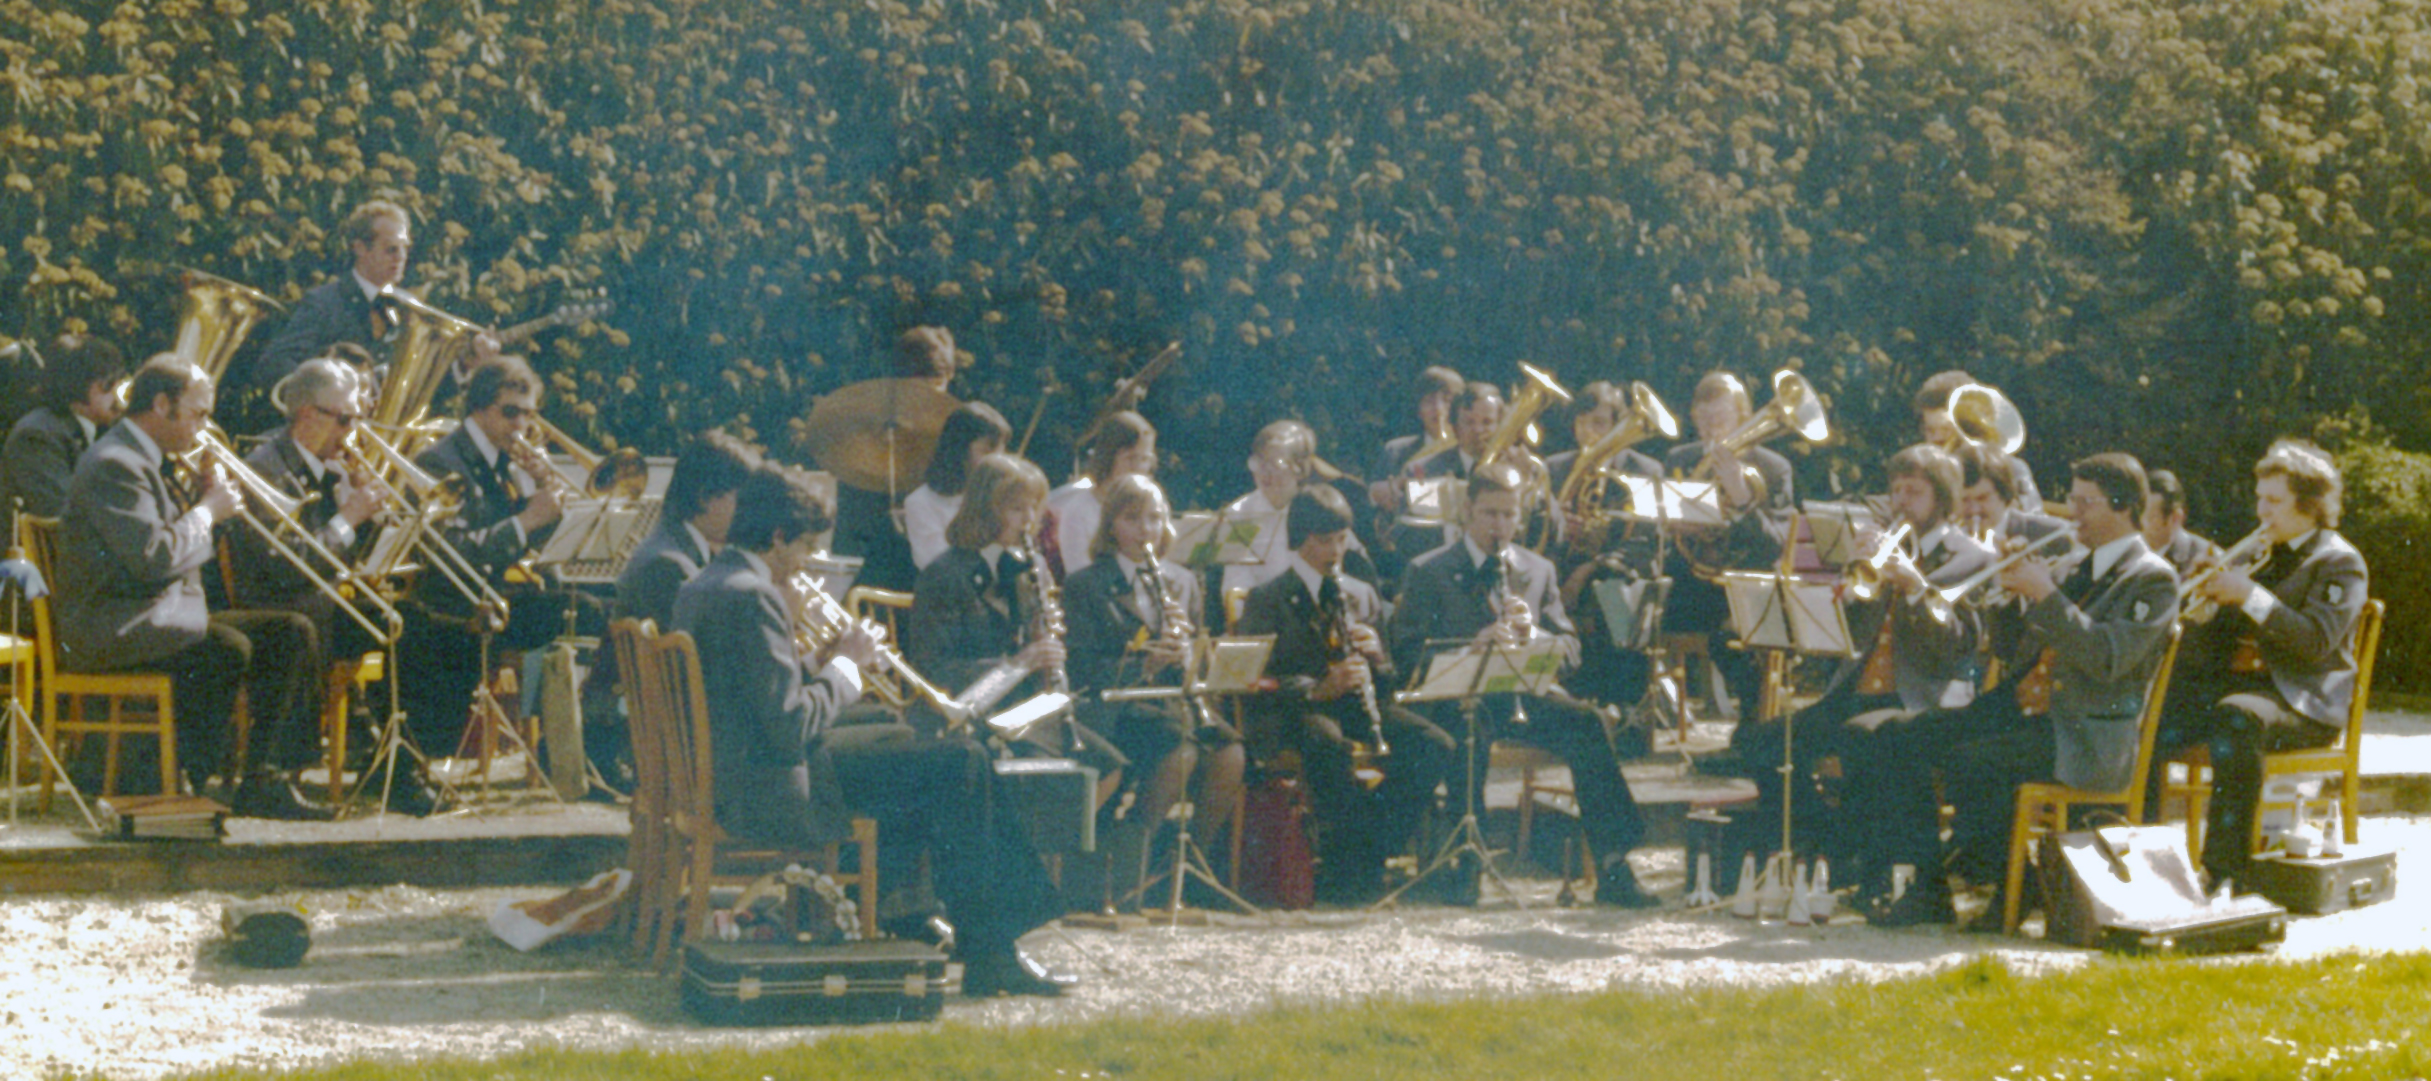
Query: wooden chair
{"points": [[2044, 806], [2344, 757], [690, 862], [645, 712], [346, 678], [140, 704]]}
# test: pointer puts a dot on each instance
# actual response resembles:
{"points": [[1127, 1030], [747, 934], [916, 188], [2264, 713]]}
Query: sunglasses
{"points": [[344, 420], [512, 411]]}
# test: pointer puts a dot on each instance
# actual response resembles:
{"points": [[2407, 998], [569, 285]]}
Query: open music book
{"points": [[1204, 538], [1773, 612]]}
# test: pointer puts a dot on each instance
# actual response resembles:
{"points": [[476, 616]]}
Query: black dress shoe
{"points": [[265, 796], [1921, 905], [1617, 887], [1012, 972]]}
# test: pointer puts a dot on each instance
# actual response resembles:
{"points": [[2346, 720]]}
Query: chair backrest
{"points": [[2367, 650], [676, 663], [40, 537], [645, 714], [1236, 600], [2156, 694]]}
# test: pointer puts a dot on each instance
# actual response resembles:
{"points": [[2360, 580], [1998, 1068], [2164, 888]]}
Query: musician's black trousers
{"points": [[940, 794], [1818, 732], [1983, 751], [2238, 728], [1608, 814], [268, 654], [1361, 827], [440, 662]]}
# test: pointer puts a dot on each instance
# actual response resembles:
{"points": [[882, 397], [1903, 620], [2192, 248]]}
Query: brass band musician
{"points": [[79, 391], [1756, 496], [1939, 428], [2165, 531], [2274, 669]]}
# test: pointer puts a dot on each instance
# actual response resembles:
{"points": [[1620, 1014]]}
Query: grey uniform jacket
{"points": [[775, 783], [2307, 639], [1932, 664], [2103, 655], [659, 566], [130, 589], [1444, 594], [35, 467]]}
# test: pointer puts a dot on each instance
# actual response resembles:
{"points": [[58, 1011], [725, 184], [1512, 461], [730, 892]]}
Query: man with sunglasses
{"points": [[133, 541], [503, 512]]}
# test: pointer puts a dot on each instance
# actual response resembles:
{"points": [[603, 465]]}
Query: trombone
{"points": [[1942, 603], [621, 474], [332, 574], [433, 499]]}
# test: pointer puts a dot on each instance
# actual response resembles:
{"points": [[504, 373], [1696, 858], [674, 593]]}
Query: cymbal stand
{"points": [[1467, 836]]}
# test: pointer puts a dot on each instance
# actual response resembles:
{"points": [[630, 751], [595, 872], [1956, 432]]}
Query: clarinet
{"points": [[1511, 632], [1039, 597], [1343, 650], [1177, 625]]}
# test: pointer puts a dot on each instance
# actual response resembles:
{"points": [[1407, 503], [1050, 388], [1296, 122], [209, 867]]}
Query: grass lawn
{"points": [[2338, 1017]]}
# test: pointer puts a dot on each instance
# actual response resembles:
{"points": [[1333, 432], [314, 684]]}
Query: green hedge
{"points": [[2180, 228]]}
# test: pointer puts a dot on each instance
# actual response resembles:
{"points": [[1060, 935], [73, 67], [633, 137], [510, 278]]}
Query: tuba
{"points": [[1795, 408], [214, 319], [428, 344], [1984, 415], [1582, 492]]}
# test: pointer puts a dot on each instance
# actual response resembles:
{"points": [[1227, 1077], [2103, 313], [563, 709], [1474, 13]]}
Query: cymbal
{"points": [[851, 430]]}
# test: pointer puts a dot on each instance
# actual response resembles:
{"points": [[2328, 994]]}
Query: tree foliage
{"points": [[2177, 227]]}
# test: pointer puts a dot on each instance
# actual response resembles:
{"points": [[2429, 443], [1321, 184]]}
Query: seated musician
{"points": [[79, 390], [2165, 529], [1988, 503], [1937, 427], [1483, 588], [692, 525], [865, 522], [981, 611], [510, 502], [2086, 643], [2274, 669], [972, 431], [787, 774], [133, 540], [1125, 447], [1602, 545], [1911, 661], [1130, 615], [1326, 650], [1756, 498], [1476, 411], [1281, 460], [1436, 387]]}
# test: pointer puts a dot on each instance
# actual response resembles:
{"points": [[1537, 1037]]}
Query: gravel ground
{"points": [[137, 988]]}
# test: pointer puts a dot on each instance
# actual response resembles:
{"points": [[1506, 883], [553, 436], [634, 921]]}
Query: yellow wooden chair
{"points": [[138, 704], [697, 854], [645, 712], [2044, 806], [2344, 757]]}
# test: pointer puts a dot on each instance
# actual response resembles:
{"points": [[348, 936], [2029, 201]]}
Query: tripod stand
{"points": [[1189, 862], [1468, 836], [21, 582]]}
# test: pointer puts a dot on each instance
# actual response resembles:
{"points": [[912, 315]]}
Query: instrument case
{"points": [[1056, 797], [776, 983], [2318, 887]]}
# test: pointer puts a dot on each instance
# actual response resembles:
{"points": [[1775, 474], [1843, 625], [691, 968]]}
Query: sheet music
{"points": [[1458, 672], [1248, 538], [1432, 501], [1194, 540], [1837, 528], [1771, 612], [1233, 664], [1631, 609], [1681, 502]]}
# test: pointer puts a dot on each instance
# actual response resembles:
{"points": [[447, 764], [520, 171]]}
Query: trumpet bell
{"points": [[1799, 408], [1985, 415]]}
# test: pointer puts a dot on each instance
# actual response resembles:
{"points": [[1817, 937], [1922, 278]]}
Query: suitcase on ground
{"points": [[2329, 884], [2134, 889], [773, 983]]}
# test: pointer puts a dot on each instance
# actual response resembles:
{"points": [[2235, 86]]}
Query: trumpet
{"points": [[286, 535], [819, 620], [2247, 556], [1942, 603], [1865, 576]]}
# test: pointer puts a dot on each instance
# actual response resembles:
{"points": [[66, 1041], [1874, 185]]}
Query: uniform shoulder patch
{"points": [[2338, 593], [2143, 610]]}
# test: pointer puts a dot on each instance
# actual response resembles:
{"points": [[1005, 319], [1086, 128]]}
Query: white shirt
{"points": [[370, 291], [2108, 555], [840, 669], [1076, 516], [925, 515], [1141, 603]]}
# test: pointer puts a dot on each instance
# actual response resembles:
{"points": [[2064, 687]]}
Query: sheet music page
{"points": [[1818, 622], [1194, 539], [1755, 610], [1837, 527], [1432, 500], [1681, 502], [574, 530], [1248, 538], [1234, 664]]}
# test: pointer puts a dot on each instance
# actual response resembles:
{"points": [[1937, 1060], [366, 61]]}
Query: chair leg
{"points": [[2021, 828], [1527, 809], [2350, 796], [865, 839]]}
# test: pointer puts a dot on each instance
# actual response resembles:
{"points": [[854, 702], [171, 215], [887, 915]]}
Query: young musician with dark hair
{"points": [[130, 596], [1756, 497], [1989, 506], [1909, 661], [693, 522], [79, 392], [2274, 669], [2165, 532], [1282, 459], [1480, 589], [1436, 388], [1592, 550], [1125, 447], [2081, 646], [972, 431], [866, 526], [1326, 650], [1129, 615], [787, 774]]}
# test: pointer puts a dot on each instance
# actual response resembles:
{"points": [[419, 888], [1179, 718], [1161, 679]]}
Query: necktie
{"points": [[2080, 581], [326, 487], [1329, 594]]}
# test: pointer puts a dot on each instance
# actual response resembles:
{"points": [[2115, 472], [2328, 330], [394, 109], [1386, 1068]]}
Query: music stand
{"points": [[1222, 666], [1785, 614], [1663, 502], [1202, 539], [1839, 530], [1467, 672]]}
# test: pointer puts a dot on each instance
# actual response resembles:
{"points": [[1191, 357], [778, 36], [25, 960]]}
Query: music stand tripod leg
{"points": [[22, 730], [1467, 836]]}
